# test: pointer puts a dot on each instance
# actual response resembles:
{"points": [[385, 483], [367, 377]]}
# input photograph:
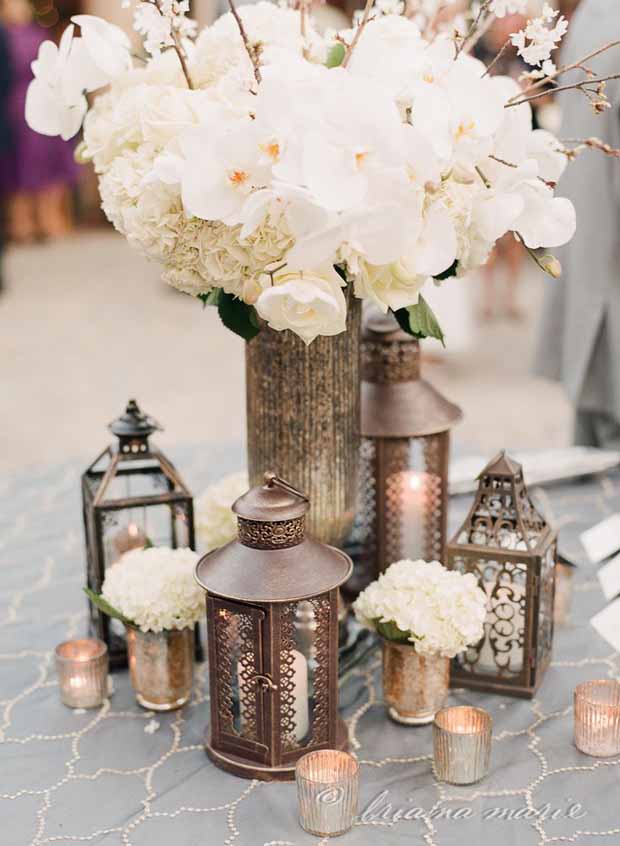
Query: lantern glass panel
{"points": [[500, 652], [545, 613]]}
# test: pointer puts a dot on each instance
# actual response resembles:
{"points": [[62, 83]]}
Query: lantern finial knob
{"points": [[133, 429]]}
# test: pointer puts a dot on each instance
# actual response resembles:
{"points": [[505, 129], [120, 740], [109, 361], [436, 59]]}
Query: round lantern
{"points": [[272, 622], [405, 450]]}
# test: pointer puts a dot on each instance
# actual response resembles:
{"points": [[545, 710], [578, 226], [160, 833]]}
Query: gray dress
{"points": [[579, 341]]}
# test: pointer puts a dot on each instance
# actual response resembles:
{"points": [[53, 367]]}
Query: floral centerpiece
{"points": [[215, 522], [154, 593], [267, 166], [425, 615]]}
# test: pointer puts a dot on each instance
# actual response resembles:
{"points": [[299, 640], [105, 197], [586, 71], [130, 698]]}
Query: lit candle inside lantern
{"points": [[131, 537], [462, 744], [415, 495], [82, 667]]}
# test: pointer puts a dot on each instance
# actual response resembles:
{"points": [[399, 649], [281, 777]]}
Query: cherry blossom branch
{"points": [[507, 43], [575, 86], [303, 27], [358, 33], [248, 47], [178, 48], [473, 29], [591, 144], [578, 65]]}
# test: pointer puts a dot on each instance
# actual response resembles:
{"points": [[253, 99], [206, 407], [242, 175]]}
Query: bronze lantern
{"points": [[405, 451], [132, 496], [510, 548], [272, 626]]}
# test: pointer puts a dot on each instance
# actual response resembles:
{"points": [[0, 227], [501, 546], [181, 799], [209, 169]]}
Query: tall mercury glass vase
{"points": [[303, 419]]}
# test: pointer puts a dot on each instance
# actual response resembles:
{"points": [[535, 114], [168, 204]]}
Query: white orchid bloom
{"points": [[107, 46], [55, 102], [512, 137], [546, 221], [547, 150], [436, 245]]}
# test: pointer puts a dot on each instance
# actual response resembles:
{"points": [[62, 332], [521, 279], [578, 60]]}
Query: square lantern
{"points": [[405, 451], [132, 496], [272, 626], [507, 544]]}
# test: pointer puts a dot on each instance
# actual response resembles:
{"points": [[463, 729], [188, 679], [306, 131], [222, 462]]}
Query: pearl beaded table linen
{"points": [[122, 776]]}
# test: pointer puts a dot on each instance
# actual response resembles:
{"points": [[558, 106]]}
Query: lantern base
{"points": [[245, 769]]}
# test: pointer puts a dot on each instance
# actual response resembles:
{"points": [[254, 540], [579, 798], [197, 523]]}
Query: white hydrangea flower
{"points": [[155, 588], [441, 611], [216, 524]]}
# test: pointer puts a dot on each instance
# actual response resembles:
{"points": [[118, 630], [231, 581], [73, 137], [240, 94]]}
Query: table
{"points": [[120, 776]]}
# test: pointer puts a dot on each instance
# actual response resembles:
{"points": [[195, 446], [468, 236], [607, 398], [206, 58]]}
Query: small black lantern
{"points": [[132, 496]]}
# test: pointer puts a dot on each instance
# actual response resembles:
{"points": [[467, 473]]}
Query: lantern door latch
{"points": [[265, 682]]}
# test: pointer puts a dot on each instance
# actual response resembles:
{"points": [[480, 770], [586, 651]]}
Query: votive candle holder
{"points": [[328, 792], [597, 718], [462, 744], [82, 667]]}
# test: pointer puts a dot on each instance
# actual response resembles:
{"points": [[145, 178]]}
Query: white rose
{"points": [[389, 285], [308, 302]]}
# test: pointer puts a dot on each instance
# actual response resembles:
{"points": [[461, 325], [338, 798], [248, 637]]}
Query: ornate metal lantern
{"points": [[509, 547], [131, 496], [272, 623], [405, 450]]}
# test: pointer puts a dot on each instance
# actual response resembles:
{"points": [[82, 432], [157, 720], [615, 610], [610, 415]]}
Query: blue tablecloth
{"points": [[120, 776]]}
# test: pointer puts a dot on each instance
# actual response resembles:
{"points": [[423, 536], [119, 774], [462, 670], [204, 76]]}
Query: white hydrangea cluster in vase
{"points": [[440, 611], [254, 160], [216, 524], [155, 588]]}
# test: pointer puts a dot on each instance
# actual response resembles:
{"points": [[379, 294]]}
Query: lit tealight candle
{"points": [[462, 744], [328, 792], [597, 718], [132, 537], [82, 667], [416, 495]]}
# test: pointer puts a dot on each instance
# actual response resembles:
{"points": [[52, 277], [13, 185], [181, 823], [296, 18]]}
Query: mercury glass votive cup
{"points": [[462, 744], [597, 718], [327, 791], [82, 667]]}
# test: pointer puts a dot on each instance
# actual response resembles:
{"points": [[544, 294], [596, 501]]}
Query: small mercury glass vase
{"points": [[161, 666], [415, 686]]}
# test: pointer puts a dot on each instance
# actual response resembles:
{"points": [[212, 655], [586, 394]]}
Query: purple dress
{"points": [[35, 161]]}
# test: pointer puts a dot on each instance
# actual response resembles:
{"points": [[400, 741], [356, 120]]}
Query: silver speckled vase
{"points": [[415, 687]]}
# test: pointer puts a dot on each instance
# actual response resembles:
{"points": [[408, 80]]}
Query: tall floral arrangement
{"points": [[267, 166]]}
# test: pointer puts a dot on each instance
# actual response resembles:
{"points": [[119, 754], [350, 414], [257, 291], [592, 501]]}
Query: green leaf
{"points": [[390, 631], [104, 605], [212, 298], [238, 316], [419, 320], [446, 274], [335, 55]]}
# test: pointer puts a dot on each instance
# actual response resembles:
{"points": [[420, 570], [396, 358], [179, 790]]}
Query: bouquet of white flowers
{"points": [[440, 611], [267, 166], [153, 589]]}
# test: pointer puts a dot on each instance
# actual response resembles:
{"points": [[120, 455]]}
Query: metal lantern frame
{"points": [[403, 417], [510, 548], [264, 589], [132, 456]]}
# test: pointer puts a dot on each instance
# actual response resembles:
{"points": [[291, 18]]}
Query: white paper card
{"points": [[602, 540], [609, 577], [607, 624]]}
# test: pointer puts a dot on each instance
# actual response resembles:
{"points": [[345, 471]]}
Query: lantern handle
{"points": [[272, 479]]}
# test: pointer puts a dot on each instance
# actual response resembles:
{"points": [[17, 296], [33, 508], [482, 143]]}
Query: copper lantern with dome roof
{"points": [[272, 625], [132, 496], [405, 451], [511, 550]]}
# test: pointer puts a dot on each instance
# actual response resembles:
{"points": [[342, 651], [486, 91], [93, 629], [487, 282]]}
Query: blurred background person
{"points": [[6, 136], [37, 173], [580, 332]]}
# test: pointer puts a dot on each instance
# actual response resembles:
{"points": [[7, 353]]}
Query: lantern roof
{"points": [[272, 560], [134, 423], [273, 501], [396, 401], [503, 516]]}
